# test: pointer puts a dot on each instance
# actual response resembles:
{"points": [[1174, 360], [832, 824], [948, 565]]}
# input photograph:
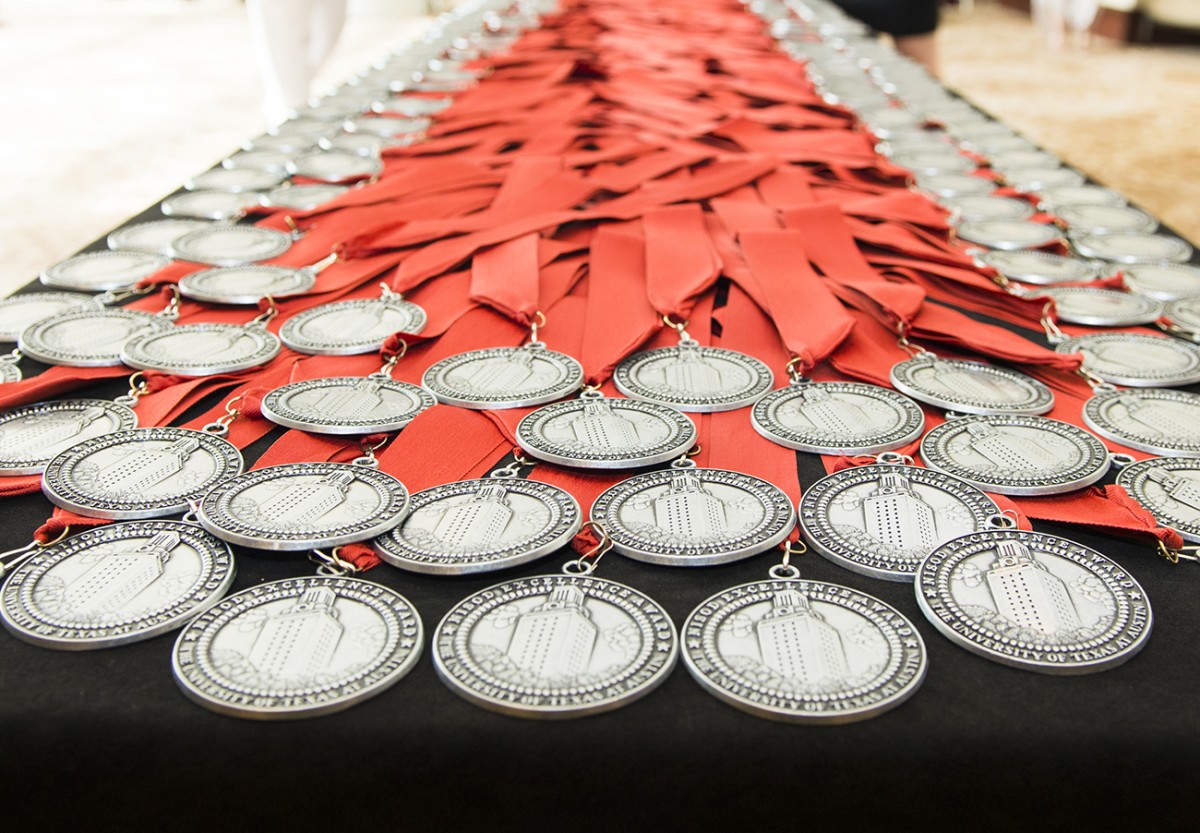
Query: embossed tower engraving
{"points": [[896, 515], [48, 430], [299, 642], [690, 373], [303, 503], [146, 469], [341, 324], [831, 414], [1177, 488], [555, 639], [598, 426], [688, 509], [1159, 419], [115, 579], [502, 374], [1028, 594], [1008, 451], [797, 642], [93, 335], [350, 403], [477, 521]]}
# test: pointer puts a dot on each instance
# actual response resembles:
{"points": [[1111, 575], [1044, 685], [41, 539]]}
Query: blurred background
{"points": [[106, 106]]}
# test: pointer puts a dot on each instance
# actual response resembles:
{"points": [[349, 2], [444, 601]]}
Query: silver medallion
{"points": [[476, 526], [1051, 199], [1158, 421], [259, 160], [304, 197], [227, 245], [689, 377], [1039, 267], [115, 584], [290, 143], [1184, 315], [358, 144], [1163, 281], [596, 432], [1105, 219], [411, 106], [247, 284], [202, 349], [1140, 361], [304, 505], [1008, 235], [32, 435], [88, 337], [967, 209], [1015, 160], [971, 387], [235, 180], [1034, 601], [504, 377], [1039, 179], [387, 126], [882, 520], [346, 404], [100, 271], [209, 205], [345, 328], [296, 648], [555, 646], [21, 312], [934, 161], [1015, 454], [1132, 247], [694, 517], [803, 651], [955, 185], [154, 237], [1169, 489], [141, 473], [1102, 307], [837, 418], [334, 167]]}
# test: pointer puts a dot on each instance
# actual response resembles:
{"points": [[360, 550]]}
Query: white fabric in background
{"points": [[292, 39]]}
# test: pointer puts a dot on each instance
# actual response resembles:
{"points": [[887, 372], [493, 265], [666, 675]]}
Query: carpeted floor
{"points": [[107, 105]]}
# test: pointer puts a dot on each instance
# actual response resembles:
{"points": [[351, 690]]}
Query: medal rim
{"points": [[270, 411], [1034, 409], [761, 382], [268, 347], [179, 248], [289, 337], [188, 285], [1151, 309], [444, 394], [904, 402]]}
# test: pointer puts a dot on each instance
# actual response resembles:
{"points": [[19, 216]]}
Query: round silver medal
{"points": [[259, 160], [358, 144], [235, 180], [300, 647], [1015, 160], [1008, 235], [1016, 455], [504, 377], [32, 435], [387, 126], [476, 526], [1132, 247], [694, 517], [1140, 361], [346, 328], [335, 167], [837, 418], [971, 387], [88, 337], [227, 245], [1039, 179], [346, 404], [1163, 281], [209, 205], [247, 284], [140, 473], [1184, 314], [1105, 219], [115, 584], [1169, 489], [410, 106], [955, 185], [595, 432], [1102, 307], [154, 237], [1158, 421], [304, 197], [1034, 601], [692, 378], [968, 209], [304, 505], [21, 312], [803, 651], [1039, 267], [202, 349], [555, 646], [881, 520], [934, 161], [1051, 199], [100, 271]]}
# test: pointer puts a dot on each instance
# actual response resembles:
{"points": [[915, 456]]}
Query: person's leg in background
{"points": [[292, 38], [911, 23]]}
